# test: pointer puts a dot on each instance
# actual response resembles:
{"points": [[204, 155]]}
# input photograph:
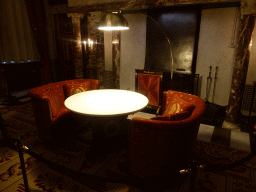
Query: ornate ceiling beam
{"points": [[130, 5]]}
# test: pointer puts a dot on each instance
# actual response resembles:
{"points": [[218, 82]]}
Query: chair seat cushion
{"points": [[178, 105], [71, 89], [175, 117]]}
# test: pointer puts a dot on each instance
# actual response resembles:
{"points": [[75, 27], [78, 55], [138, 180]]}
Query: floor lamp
{"points": [[116, 21]]}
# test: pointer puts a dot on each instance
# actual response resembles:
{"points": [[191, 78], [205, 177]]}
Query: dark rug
{"points": [[109, 174]]}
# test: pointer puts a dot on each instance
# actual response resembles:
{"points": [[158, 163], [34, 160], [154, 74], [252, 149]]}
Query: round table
{"points": [[106, 102], [107, 110]]}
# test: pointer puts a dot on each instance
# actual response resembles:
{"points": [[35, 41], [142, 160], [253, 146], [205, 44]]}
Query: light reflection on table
{"points": [[106, 102], [107, 110]]}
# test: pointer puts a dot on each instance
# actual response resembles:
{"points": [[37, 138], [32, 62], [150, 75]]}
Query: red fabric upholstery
{"points": [[175, 117], [156, 145], [63, 123], [177, 105], [53, 97], [45, 101], [148, 85]]}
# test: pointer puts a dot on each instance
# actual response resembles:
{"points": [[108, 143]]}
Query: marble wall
{"points": [[216, 48], [133, 50], [247, 8], [217, 42], [251, 77]]}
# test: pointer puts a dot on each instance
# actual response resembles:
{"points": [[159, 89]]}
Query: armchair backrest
{"points": [[150, 84], [37, 92], [156, 144], [197, 101]]}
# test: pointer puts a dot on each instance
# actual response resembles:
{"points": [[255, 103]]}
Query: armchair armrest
{"points": [[160, 144], [43, 116], [47, 101]]}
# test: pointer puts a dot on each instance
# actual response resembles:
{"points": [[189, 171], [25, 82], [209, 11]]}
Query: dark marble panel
{"points": [[97, 58], [77, 51], [116, 35]]}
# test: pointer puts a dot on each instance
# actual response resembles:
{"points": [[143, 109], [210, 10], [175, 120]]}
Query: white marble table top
{"points": [[106, 102]]}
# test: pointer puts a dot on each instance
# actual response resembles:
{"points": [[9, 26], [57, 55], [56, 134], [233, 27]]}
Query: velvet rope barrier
{"points": [[132, 179], [218, 168]]}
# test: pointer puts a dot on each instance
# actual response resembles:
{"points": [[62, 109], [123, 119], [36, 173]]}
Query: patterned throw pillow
{"points": [[178, 105], [71, 89], [175, 117], [54, 100]]}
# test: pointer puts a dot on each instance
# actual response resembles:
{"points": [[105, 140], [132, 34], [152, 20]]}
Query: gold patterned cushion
{"points": [[55, 102], [71, 89], [175, 117], [178, 105]]}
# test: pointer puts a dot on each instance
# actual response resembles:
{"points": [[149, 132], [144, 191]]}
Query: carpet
{"points": [[111, 173]]}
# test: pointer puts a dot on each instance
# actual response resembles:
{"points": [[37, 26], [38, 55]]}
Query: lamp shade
{"points": [[113, 21]]}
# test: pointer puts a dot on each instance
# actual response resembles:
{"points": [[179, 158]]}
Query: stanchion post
{"points": [[22, 163]]}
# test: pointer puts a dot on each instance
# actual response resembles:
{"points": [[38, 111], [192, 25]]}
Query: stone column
{"points": [[242, 56], [97, 59], [116, 58], [78, 60]]}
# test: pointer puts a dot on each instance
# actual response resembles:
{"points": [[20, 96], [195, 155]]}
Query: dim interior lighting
{"points": [[90, 43], [113, 21], [106, 102]]}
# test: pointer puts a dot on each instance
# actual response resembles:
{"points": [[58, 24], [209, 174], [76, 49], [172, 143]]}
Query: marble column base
{"points": [[229, 125]]}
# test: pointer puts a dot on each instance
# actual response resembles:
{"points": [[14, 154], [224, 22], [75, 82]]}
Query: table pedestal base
{"points": [[109, 135]]}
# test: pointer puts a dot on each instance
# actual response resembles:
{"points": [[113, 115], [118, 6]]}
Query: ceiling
{"points": [[57, 2]]}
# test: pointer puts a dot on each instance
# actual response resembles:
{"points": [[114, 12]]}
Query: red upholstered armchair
{"points": [[52, 117], [166, 141], [150, 84]]}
